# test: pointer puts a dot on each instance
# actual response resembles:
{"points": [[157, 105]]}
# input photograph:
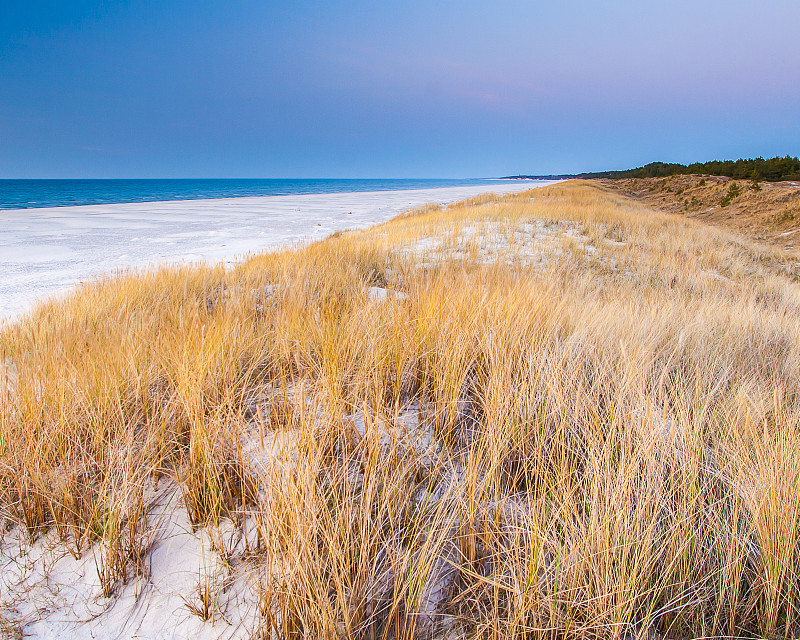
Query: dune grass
{"points": [[551, 415]]}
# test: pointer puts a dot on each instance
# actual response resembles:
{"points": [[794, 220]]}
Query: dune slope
{"points": [[559, 413]]}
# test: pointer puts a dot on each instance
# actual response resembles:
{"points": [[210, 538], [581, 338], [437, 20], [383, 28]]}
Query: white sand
{"points": [[45, 252], [48, 594]]}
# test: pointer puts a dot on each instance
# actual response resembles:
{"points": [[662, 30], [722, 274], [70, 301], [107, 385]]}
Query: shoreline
{"points": [[45, 252], [18, 194]]}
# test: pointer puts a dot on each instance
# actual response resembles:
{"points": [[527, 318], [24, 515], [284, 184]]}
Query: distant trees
{"points": [[754, 169]]}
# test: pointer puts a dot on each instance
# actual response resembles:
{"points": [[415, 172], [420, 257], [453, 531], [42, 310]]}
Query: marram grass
{"points": [[551, 415]]}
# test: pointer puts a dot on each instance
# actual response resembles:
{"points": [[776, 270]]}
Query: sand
{"points": [[45, 252]]}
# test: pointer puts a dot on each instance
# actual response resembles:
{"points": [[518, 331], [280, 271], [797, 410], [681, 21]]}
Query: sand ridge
{"points": [[45, 252]]}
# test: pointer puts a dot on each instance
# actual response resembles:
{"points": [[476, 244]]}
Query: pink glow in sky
{"points": [[391, 89]]}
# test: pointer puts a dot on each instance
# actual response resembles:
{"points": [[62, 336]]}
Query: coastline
{"points": [[44, 252]]}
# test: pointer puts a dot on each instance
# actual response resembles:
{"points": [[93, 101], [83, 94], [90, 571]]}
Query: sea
{"points": [[26, 194]]}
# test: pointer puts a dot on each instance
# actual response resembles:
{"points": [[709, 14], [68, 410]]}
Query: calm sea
{"points": [[24, 194]]}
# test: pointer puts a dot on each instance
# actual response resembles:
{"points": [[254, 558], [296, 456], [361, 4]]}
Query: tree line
{"points": [[770, 170]]}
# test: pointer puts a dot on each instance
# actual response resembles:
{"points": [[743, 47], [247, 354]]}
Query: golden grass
{"points": [[769, 212], [599, 439]]}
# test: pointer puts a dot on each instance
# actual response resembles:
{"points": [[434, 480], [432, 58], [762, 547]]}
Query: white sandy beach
{"points": [[45, 252]]}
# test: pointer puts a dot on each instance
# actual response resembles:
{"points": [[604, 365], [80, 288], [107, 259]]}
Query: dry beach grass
{"points": [[765, 211], [558, 414]]}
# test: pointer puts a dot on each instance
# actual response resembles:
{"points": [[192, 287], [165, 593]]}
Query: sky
{"points": [[360, 89]]}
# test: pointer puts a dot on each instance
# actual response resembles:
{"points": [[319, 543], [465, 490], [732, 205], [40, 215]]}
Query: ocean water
{"points": [[26, 194]]}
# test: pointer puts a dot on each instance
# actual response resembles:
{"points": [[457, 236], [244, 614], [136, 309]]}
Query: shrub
{"points": [[734, 191], [755, 181]]}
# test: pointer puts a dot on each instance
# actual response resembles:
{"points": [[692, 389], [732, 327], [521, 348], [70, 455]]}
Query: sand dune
{"points": [[44, 252]]}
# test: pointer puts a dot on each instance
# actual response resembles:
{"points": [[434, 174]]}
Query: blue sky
{"points": [[391, 89]]}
